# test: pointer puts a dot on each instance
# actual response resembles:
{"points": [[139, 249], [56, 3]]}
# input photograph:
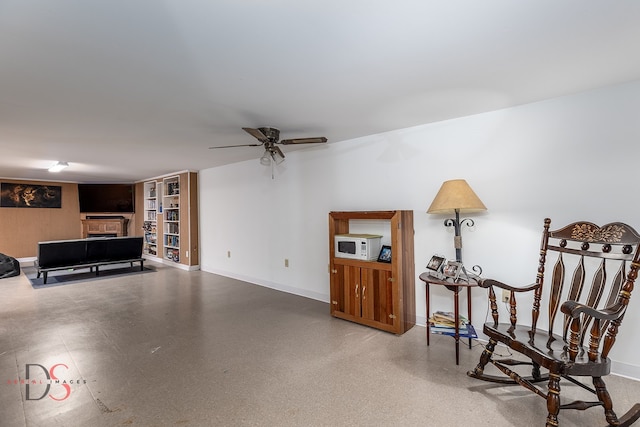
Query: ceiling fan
{"points": [[269, 137]]}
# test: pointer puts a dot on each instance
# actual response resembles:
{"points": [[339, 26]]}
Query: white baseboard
{"points": [[625, 370], [421, 321], [272, 285], [180, 266], [26, 262], [152, 258]]}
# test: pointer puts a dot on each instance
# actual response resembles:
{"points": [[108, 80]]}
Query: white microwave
{"points": [[357, 246]]}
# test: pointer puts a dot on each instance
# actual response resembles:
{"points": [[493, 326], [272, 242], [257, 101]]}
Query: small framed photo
{"points": [[435, 263], [385, 254], [452, 269]]}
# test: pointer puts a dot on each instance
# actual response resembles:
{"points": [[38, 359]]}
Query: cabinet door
{"points": [[377, 296], [347, 290]]}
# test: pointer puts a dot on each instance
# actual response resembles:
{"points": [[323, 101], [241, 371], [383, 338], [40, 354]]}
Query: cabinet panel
{"points": [[377, 296], [367, 293], [350, 281], [112, 227], [107, 226]]}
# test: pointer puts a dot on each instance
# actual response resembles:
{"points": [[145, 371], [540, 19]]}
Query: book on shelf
{"points": [[466, 331]]}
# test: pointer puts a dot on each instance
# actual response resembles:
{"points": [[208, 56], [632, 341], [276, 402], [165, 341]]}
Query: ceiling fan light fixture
{"points": [[277, 159], [276, 154], [265, 160]]}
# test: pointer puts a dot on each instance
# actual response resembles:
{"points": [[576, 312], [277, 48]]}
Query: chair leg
{"points": [[485, 357], [605, 398], [553, 400], [535, 372]]}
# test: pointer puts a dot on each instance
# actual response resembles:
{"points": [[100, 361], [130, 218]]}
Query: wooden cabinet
{"points": [[376, 294]]}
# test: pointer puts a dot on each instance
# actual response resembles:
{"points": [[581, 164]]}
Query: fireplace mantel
{"points": [[104, 227]]}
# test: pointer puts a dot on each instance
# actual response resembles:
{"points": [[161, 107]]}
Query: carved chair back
{"points": [[590, 266]]}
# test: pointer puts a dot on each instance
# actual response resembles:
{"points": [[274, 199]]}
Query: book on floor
{"points": [[466, 331]]}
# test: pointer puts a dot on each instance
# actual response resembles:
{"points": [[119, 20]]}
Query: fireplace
{"points": [[104, 227]]}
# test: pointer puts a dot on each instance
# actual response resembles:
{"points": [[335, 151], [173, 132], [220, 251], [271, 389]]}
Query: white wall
{"points": [[571, 158]]}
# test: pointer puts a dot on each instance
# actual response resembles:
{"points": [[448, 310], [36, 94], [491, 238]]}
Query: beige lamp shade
{"points": [[456, 194]]}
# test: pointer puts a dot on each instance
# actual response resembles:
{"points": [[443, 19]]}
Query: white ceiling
{"points": [[130, 89]]}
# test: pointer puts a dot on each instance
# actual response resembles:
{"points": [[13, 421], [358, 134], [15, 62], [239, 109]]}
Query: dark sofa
{"points": [[92, 253]]}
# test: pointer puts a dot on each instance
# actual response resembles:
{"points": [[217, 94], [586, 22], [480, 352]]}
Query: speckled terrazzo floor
{"points": [[178, 348]]}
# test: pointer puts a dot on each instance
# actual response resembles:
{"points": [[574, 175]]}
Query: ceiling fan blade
{"points": [[232, 146], [303, 141], [257, 134]]}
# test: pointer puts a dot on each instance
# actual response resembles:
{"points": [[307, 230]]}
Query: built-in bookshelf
{"points": [[168, 218], [171, 218], [150, 218]]}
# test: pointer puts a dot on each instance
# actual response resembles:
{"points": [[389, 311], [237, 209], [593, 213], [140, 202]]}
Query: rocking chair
{"points": [[593, 304]]}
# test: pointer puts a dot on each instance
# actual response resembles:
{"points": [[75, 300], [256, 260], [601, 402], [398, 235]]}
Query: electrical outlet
{"points": [[286, 262], [505, 295]]}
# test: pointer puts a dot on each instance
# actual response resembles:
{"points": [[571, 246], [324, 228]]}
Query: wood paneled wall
{"points": [[22, 228]]}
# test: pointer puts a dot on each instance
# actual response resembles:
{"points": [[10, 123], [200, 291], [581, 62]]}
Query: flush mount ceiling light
{"points": [[58, 167]]}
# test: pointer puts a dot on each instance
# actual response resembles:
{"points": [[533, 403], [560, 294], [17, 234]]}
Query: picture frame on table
{"points": [[435, 263], [452, 270], [385, 254]]}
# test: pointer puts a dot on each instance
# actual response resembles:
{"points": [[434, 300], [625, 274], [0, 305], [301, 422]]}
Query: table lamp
{"points": [[456, 196]]}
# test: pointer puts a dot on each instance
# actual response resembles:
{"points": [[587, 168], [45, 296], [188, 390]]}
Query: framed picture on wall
{"points": [[30, 196], [385, 254]]}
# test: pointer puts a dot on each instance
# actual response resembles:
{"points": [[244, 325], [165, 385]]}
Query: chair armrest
{"points": [[574, 309], [490, 284], [487, 283]]}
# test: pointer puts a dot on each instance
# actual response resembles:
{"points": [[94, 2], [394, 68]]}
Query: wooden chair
{"points": [[603, 265]]}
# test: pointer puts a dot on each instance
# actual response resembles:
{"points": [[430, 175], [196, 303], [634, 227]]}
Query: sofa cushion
{"points": [[124, 248], [61, 253], [97, 249]]}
